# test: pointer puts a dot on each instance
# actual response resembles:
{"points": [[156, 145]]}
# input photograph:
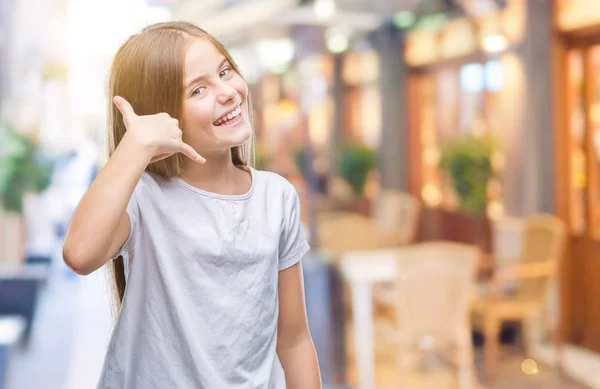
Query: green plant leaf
{"points": [[355, 161], [467, 161], [23, 168]]}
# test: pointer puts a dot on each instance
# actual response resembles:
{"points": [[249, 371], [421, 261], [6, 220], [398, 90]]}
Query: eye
{"points": [[198, 91], [225, 72]]}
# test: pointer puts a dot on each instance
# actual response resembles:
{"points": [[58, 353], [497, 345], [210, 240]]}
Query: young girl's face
{"points": [[215, 101]]}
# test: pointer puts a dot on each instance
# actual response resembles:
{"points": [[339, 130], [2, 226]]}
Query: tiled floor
{"points": [[43, 364], [442, 376], [509, 377], [512, 377], [70, 336]]}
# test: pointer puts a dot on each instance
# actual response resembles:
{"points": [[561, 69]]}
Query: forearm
{"points": [[300, 365], [95, 222]]}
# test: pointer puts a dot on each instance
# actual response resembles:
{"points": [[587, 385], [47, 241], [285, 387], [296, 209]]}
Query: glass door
{"points": [[593, 138], [584, 140], [577, 154]]}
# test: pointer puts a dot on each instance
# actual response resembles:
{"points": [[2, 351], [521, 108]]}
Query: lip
{"points": [[227, 113], [238, 119]]}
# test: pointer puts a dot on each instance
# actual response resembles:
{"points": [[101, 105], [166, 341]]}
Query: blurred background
{"points": [[447, 156]]}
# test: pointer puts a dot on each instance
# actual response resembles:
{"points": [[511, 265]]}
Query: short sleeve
{"points": [[292, 243], [133, 212]]}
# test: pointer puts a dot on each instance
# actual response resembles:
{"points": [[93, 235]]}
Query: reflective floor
{"points": [[73, 324]]}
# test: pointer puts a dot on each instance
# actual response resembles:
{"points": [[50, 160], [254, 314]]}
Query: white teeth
{"points": [[229, 116]]}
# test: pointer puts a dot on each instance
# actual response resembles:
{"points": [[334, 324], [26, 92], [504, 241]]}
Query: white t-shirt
{"points": [[201, 304]]}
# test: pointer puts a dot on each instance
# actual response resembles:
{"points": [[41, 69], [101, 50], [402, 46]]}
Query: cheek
{"points": [[240, 85], [197, 116]]}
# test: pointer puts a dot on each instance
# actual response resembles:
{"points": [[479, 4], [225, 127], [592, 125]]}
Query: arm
{"points": [[523, 270], [294, 344], [520, 271], [100, 224]]}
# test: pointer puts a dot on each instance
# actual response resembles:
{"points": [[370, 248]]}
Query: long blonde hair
{"points": [[148, 71]]}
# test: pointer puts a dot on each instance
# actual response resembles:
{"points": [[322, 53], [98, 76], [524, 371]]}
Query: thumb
{"points": [[125, 108]]}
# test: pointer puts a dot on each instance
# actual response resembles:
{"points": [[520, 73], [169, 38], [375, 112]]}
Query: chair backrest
{"points": [[435, 285], [342, 232], [340, 193], [399, 212], [508, 240], [544, 238]]}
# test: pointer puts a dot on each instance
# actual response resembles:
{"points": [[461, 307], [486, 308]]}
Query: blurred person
{"points": [[204, 249]]}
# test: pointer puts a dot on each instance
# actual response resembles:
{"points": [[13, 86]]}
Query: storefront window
{"points": [[428, 130], [456, 101], [594, 140], [472, 93], [494, 76], [360, 74], [584, 140], [576, 14], [577, 135]]}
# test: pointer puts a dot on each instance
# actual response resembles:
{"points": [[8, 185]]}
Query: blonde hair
{"points": [[148, 72]]}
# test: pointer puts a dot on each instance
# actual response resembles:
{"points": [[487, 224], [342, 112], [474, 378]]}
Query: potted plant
{"points": [[24, 169], [354, 163], [468, 162]]}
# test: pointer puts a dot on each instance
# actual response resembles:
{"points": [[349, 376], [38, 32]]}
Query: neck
{"points": [[218, 174]]}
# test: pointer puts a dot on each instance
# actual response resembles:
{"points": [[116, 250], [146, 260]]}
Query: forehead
{"points": [[202, 58]]}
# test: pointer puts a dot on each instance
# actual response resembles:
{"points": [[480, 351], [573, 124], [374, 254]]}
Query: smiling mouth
{"points": [[231, 118]]}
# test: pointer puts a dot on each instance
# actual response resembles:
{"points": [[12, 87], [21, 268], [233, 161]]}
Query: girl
{"points": [[205, 250]]}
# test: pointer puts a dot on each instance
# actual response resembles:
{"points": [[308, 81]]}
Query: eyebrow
{"points": [[195, 80]]}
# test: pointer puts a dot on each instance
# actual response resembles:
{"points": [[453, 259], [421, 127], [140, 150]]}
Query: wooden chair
{"points": [[341, 232], [543, 244], [340, 194], [394, 224], [432, 298], [398, 212]]}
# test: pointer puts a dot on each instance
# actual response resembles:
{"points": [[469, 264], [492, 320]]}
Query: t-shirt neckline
{"points": [[218, 195]]}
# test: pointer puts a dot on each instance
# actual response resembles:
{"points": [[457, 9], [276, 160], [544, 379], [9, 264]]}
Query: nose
{"points": [[227, 94]]}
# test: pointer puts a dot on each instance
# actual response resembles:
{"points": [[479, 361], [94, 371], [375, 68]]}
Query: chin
{"points": [[231, 137]]}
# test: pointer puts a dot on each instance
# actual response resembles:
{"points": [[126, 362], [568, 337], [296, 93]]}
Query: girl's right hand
{"points": [[159, 134]]}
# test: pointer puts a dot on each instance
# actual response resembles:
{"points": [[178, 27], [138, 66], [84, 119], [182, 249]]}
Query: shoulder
{"points": [[149, 185], [275, 185]]}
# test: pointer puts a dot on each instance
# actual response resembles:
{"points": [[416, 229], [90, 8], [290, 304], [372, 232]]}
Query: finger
{"points": [[160, 157], [192, 154], [125, 108]]}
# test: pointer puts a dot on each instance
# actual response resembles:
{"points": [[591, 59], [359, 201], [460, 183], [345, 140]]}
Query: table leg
{"points": [[362, 307]]}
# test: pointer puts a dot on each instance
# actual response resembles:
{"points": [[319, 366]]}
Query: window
{"points": [[455, 101], [584, 140]]}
